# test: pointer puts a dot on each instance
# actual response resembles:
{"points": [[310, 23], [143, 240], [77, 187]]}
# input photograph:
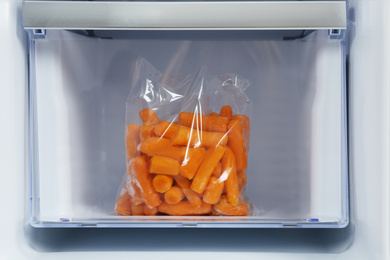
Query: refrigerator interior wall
{"points": [[297, 170]]}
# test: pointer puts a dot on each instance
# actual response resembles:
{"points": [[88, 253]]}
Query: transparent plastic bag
{"points": [[187, 140]]}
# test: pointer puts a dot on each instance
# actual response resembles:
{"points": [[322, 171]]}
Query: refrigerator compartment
{"points": [[291, 50], [297, 174]]}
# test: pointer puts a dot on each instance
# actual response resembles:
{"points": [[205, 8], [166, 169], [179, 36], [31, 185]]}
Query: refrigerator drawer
{"points": [[80, 80]]}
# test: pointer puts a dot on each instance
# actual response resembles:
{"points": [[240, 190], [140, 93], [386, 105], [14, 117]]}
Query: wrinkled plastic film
{"points": [[187, 140]]}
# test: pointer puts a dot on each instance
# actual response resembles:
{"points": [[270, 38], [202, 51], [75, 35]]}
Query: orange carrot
{"points": [[162, 183], [146, 131], [194, 138], [225, 209], [132, 141], [164, 165], [245, 122], [165, 129], [174, 195], [237, 143], [210, 161], [154, 144], [241, 176], [123, 205], [191, 162], [148, 116], [157, 146], [187, 137], [138, 210], [226, 111], [217, 171], [181, 135], [213, 191], [212, 139], [203, 122], [184, 208], [150, 211], [139, 168], [229, 172], [191, 195], [214, 114]]}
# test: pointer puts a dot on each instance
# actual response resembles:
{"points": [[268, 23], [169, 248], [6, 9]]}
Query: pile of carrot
{"points": [[195, 166]]}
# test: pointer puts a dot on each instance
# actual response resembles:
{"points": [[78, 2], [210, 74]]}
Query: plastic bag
{"points": [[187, 140]]}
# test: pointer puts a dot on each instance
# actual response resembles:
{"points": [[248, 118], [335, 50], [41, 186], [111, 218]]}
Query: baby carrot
{"points": [[231, 184], [241, 176], [217, 171], [191, 162], [132, 141], [153, 144], [245, 122], [146, 131], [162, 147], [214, 114], [203, 122], [237, 143], [210, 161], [174, 195], [184, 208], [148, 116], [226, 111], [123, 205], [165, 129], [194, 138], [162, 183], [187, 137], [138, 210], [211, 139], [140, 170], [181, 135], [224, 208], [164, 165], [150, 211], [213, 191], [191, 195]]}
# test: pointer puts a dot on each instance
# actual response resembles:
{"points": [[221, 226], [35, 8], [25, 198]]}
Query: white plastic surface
{"points": [[370, 182]]}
